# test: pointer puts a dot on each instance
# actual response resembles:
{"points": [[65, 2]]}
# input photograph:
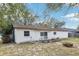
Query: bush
{"points": [[57, 38], [6, 31], [6, 39], [67, 44]]}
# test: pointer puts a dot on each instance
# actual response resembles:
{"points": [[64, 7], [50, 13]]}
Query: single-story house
{"points": [[26, 33]]}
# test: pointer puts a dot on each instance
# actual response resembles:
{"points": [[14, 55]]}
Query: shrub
{"points": [[45, 41], [57, 38], [67, 44], [6, 39], [6, 31]]}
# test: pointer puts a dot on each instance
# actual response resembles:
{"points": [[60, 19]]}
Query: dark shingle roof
{"points": [[42, 27]]}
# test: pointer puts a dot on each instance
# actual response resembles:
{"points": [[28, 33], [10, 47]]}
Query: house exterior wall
{"points": [[59, 34], [35, 35]]}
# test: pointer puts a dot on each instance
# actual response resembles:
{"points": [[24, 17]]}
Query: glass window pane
{"points": [[54, 33], [26, 33]]}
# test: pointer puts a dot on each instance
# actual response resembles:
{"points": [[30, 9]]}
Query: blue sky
{"points": [[60, 15]]}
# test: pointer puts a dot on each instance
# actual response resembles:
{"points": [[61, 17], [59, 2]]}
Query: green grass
{"points": [[72, 40], [40, 49]]}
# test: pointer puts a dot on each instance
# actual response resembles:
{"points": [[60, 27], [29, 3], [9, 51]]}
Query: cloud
{"points": [[74, 19], [71, 15], [74, 27]]}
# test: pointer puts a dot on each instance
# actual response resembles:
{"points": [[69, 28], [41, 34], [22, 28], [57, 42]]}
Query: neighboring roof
{"points": [[71, 30], [77, 30], [42, 27]]}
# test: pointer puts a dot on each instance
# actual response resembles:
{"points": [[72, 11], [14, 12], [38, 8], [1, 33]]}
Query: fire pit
{"points": [[67, 44]]}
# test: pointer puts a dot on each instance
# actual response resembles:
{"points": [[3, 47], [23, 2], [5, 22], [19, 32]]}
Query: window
{"points": [[43, 33], [54, 33], [26, 33]]}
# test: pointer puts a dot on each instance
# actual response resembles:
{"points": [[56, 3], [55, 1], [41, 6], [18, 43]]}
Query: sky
{"points": [[62, 15]]}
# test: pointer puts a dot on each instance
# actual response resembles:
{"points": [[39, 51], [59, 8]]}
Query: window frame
{"points": [[54, 33], [43, 33], [26, 33]]}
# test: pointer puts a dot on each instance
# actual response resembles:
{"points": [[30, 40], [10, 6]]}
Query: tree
{"points": [[16, 13], [53, 23], [54, 6], [59, 24], [11, 13], [31, 19], [58, 6]]}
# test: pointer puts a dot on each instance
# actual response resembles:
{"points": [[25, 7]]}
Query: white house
{"points": [[25, 33]]}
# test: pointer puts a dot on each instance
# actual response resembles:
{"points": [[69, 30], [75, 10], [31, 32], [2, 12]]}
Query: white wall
{"points": [[59, 34], [35, 35]]}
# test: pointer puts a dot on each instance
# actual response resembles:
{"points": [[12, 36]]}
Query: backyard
{"points": [[41, 49]]}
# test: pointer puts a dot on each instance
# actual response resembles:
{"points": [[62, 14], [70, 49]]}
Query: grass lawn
{"points": [[40, 49]]}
